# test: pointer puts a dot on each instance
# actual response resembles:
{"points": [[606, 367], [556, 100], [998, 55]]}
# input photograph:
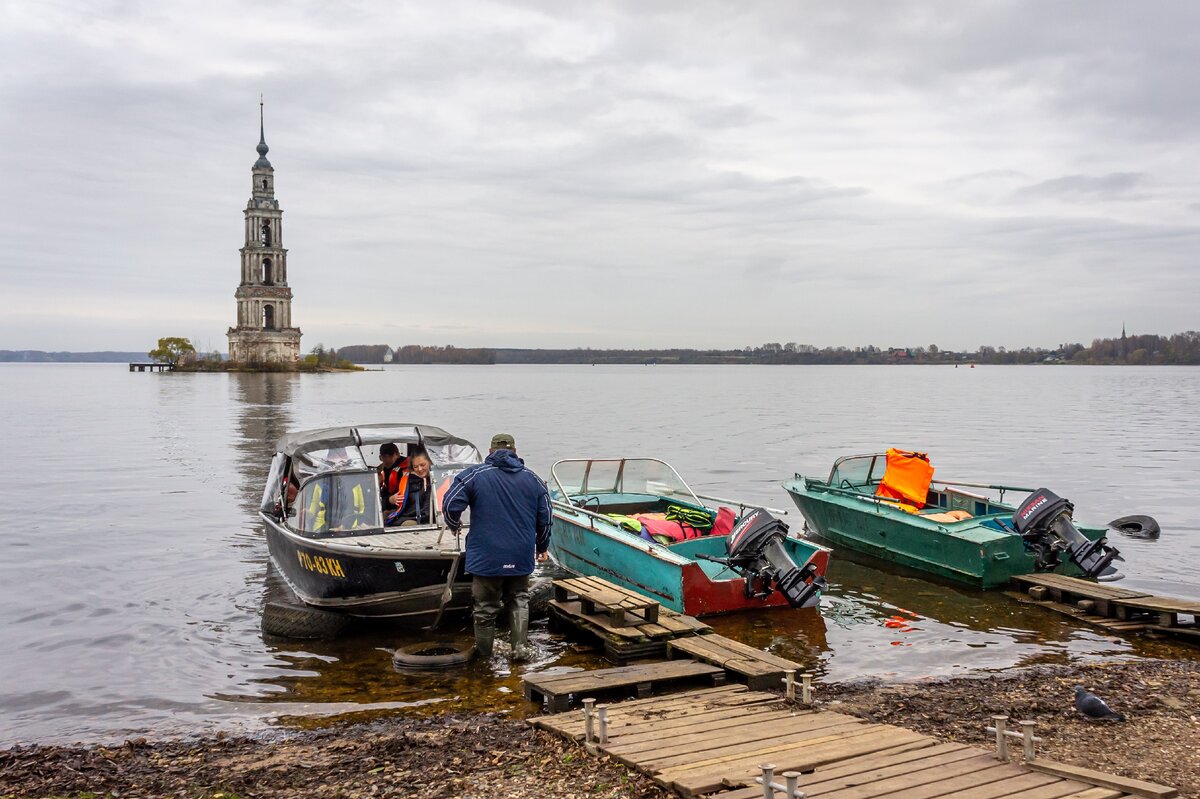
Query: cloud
{"points": [[601, 172], [1116, 185]]}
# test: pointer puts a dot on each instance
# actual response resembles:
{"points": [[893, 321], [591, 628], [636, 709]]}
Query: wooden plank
{"points": [[787, 757], [1055, 790], [694, 745], [652, 709], [1156, 603], [864, 772], [621, 677], [1075, 585], [1095, 793], [662, 731], [1099, 778], [963, 787], [1190, 634], [720, 757], [732, 648], [636, 712], [978, 770], [885, 757]]}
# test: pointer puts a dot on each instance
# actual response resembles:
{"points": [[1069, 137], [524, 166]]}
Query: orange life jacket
{"points": [[906, 478]]}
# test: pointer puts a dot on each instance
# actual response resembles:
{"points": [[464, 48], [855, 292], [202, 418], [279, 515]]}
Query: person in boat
{"points": [[391, 471], [510, 529], [411, 498]]}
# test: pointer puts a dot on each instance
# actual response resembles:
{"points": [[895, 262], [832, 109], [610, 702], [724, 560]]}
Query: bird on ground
{"points": [[1094, 707]]}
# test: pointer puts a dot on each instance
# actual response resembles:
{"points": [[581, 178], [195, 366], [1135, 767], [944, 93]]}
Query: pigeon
{"points": [[1093, 706]]}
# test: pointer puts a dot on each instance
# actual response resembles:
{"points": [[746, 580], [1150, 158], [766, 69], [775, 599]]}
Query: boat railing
{"points": [[741, 505], [571, 507], [999, 488]]}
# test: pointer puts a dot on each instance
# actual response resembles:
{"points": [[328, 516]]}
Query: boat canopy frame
{"points": [[615, 482], [846, 484]]}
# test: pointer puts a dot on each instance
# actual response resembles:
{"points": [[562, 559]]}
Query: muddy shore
{"points": [[491, 755]]}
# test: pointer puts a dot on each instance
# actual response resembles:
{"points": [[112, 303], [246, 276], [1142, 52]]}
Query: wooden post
{"points": [[588, 726], [1001, 738], [768, 778], [790, 679], [806, 688], [1027, 740], [602, 712]]}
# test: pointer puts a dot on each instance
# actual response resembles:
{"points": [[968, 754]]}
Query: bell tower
{"points": [[264, 331]]}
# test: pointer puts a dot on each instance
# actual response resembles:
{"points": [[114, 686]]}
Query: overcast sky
{"points": [[556, 174]]}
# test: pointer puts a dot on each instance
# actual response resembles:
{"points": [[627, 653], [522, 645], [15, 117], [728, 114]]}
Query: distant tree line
{"points": [[1181, 348]]}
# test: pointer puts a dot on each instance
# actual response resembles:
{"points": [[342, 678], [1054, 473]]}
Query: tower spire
{"points": [[262, 148]]}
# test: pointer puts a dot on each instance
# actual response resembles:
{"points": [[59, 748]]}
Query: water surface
{"points": [[136, 568]]}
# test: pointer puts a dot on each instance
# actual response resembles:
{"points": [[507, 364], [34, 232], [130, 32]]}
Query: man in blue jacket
{"points": [[510, 527]]}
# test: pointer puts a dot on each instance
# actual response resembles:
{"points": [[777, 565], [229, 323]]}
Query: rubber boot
{"points": [[519, 633], [484, 640]]}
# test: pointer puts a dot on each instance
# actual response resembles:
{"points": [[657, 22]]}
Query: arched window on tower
{"points": [[268, 317], [266, 234], [267, 276], [264, 185]]}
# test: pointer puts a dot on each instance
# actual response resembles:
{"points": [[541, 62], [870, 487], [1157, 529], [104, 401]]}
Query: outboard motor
{"points": [[756, 551], [1044, 522]]}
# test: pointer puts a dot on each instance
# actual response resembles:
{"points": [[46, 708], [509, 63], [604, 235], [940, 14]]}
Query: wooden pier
{"points": [[715, 743], [1118, 610]]}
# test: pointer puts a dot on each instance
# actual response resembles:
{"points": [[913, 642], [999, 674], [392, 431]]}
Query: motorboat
{"points": [[636, 523], [888, 505], [326, 529]]}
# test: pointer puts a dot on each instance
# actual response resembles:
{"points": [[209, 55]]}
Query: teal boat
{"points": [[955, 530], [635, 522]]}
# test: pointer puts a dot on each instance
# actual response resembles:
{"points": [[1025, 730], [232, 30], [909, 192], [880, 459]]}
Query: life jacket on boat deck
{"points": [[906, 479], [668, 532]]}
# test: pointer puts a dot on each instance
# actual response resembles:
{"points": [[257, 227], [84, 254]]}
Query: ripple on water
{"points": [[141, 613]]}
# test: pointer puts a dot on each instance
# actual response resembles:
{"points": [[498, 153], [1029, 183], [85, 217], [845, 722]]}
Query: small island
{"points": [[177, 354]]}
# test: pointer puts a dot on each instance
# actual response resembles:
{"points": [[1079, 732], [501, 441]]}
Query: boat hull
{"points": [[380, 582], [966, 552], [589, 546]]}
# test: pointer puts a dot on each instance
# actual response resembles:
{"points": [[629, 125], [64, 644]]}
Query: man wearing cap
{"points": [[510, 528]]}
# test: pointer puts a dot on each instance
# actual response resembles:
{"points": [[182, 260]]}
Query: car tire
{"points": [[290, 621], [441, 654]]}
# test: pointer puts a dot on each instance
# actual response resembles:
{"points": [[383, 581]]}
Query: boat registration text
{"points": [[321, 565]]}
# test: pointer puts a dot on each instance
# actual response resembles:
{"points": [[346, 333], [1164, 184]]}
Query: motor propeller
{"points": [[1044, 522], [756, 551]]}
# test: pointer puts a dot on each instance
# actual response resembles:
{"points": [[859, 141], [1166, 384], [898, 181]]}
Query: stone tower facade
{"points": [[264, 332]]}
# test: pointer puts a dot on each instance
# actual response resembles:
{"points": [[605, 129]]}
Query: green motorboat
{"points": [[955, 530]]}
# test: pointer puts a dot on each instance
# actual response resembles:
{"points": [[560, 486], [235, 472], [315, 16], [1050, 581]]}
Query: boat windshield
{"points": [[617, 476], [339, 502], [326, 460], [858, 471]]}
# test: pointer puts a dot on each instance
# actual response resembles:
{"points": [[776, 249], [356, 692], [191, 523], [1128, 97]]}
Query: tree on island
{"points": [[172, 350]]}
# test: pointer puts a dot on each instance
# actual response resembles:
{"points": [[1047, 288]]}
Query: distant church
{"points": [[264, 331]]}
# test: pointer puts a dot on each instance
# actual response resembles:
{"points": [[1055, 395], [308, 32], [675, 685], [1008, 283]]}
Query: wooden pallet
{"points": [[557, 689], [1071, 589], [1167, 610], [713, 743], [1116, 610], [633, 640], [1106, 623], [761, 670], [595, 593]]}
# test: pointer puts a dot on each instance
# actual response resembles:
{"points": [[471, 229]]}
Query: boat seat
{"points": [[947, 517]]}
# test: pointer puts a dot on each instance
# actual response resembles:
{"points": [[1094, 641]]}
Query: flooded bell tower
{"points": [[264, 331]]}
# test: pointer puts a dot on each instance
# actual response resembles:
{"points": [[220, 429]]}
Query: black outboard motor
{"points": [[1044, 522], [756, 551]]}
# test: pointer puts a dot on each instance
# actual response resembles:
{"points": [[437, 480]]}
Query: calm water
{"points": [[135, 568]]}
